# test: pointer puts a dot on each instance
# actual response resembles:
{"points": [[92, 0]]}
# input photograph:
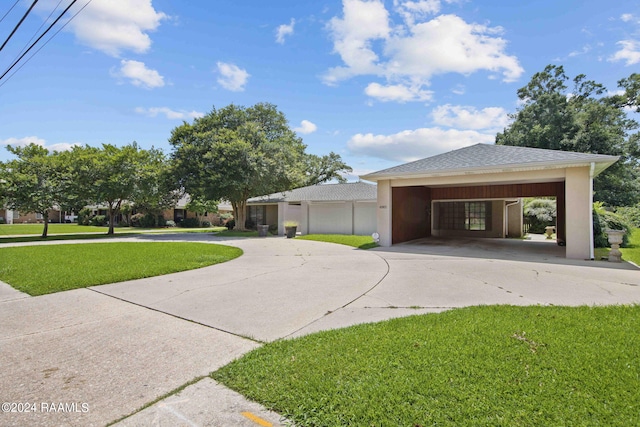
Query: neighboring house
{"points": [[9, 216], [180, 212], [473, 192], [326, 208]]}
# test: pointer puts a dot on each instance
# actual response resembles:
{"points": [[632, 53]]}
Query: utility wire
{"points": [[18, 24], [9, 11], [38, 39], [45, 43], [38, 30]]}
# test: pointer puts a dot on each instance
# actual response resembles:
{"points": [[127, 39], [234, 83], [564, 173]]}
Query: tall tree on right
{"points": [[584, 120]]}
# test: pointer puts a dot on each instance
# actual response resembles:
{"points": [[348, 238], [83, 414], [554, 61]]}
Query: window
{"points": [[473, 216], [16, 215], [39, 216]]}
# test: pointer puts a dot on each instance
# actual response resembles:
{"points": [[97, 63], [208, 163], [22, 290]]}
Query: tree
{"points": [[114, 176], [235, 153], [325, 168], [33, 182], [583, 120], [201, 207]]}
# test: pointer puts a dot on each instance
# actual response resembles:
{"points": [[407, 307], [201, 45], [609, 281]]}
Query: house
{"points": [[474, 191], [10, 216], [180, 212], [327, 208]]}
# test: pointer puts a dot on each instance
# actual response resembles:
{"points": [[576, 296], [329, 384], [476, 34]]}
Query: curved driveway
{"points": [[120, 346]]}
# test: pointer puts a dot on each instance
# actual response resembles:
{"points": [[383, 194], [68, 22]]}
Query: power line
{"points": [[38, 39], [9, 11], [45, 43], [38, 30], [18, 24]]}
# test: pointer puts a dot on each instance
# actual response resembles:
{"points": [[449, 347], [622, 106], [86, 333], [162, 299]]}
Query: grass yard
{"points": [[632, 252], [44, 269], [361, 242], [19, 229], [476, 366]]}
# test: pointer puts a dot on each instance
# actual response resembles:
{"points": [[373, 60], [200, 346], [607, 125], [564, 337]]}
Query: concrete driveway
{"points": [[118, 347]]}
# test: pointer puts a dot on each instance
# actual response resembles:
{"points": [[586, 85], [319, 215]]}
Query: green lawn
{"points": [[21, 229], [477, 366], [632, 252], [361, 242], [45, 269]]}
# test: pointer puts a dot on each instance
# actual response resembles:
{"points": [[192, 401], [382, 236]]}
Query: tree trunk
{"points": [[240, 214], [111, 220], [45, 217]]}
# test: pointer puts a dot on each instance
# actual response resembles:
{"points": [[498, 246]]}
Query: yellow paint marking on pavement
{"points": [[257, 420]]}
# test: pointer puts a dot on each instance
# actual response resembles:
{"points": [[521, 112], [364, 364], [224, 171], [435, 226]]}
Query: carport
{"points": [[474, 192]]}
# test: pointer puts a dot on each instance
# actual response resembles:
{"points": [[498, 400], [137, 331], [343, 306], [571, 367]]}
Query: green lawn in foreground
{"points": [[13, 229], [361, 242], [477, 366], [45, 269]]}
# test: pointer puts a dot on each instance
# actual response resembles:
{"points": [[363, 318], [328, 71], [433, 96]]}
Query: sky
{"points": [[378, 82]]}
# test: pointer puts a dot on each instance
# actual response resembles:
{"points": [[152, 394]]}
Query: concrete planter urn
{"points": [[549, 230], [263, 230], [615, 240], [290, 229]]}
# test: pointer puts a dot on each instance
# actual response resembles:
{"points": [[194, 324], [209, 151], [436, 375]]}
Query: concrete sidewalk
{"points": [[118, 347]]}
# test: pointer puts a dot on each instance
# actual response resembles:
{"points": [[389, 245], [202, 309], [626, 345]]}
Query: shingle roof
{"points": [[489, 156], [322, 193]]}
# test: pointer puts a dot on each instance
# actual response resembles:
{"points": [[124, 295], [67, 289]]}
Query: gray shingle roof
{"points": [[322, 193], [489, 156]]}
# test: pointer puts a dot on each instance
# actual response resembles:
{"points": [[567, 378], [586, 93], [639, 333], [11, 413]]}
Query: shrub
{"points": [[630, 214], [603, 220], [273, 229], [160, 221], [123, 224], [190, 223], [205, 224], [136, 219], [223, 218], [230, 224], [84, 216], [540, 213], [250, 225], [98, 220], [2, 221], [170, 223]]}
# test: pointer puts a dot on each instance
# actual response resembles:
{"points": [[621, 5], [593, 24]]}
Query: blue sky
{"points": [[379, 82]]}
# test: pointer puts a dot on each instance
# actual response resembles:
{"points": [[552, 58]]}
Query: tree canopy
{"points": [[585, 119], [235, 153], [34, 181]]}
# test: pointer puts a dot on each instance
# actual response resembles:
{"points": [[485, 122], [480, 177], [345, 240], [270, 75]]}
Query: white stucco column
{"points": [[384, 212], [281, 213], [304, 218], [578, 213]]}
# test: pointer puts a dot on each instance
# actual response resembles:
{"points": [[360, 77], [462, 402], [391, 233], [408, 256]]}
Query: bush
{"points": [[170, 223], [540, 213], [84, 216], [135, 219], [606, 220], [123, 224], [98, 220], [2, 221], [250, 225], [224, 218], [230, 224], [630, 214], [205, 224], [190, 223]]}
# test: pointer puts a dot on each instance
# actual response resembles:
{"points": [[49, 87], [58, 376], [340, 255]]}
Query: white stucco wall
{"points": [[330, 218], [384, 212], [364, 218], [578, 213]]}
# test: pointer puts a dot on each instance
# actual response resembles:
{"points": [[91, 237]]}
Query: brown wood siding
{"points": [[561, 212], [496, 191], [411, 213]]}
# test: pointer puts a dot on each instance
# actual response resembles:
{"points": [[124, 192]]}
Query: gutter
{"points": [[591, 174]]}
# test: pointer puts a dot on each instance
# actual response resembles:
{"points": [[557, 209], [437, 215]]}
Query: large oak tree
{"points": [[235, 153], [584, 119]]}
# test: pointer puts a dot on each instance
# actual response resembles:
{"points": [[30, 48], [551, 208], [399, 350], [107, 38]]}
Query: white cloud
{"points": [[23, 142], [627, 17], [139, 75], [416, 144], [169, 113], [363, 22], [115, 26], [284, 30], [306, 127], [629, 52], [466, 117], [232, 77], [399, 93], [410, 54]]}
